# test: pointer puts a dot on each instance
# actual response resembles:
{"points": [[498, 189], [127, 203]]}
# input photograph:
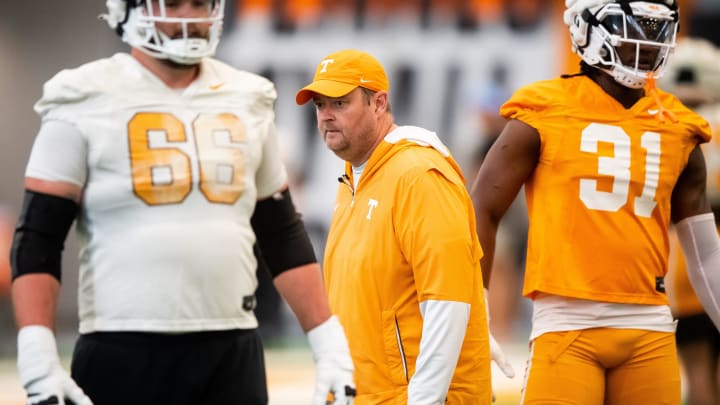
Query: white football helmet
{"points": [[694, 72], [626, 38], [135, 21]]}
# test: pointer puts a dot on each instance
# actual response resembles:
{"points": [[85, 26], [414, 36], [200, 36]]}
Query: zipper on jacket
{"points": [[345, 179], [401, 349]]}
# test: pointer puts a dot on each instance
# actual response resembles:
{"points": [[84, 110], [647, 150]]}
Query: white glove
{"points": [[41, 374], [496, 353], [333, 364]]}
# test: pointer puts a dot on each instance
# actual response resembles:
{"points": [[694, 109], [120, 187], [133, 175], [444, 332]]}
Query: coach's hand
{"points": [[44, 379], [333, 364]]}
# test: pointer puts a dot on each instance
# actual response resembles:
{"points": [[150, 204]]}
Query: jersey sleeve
{"points": [[696, 125], [58, 154], [692, 122], [66, 88], [528, 104], [434, 230], [701, 129]]}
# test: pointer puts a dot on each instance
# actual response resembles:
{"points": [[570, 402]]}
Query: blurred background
{"points": [[451, 64]]}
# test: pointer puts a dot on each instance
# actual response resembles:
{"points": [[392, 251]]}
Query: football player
{"points": [[608, 162], [693, 75], [168, 162]]}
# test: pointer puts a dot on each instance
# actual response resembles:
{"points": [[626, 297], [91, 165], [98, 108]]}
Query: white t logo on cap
{"points": [[325, 64]]}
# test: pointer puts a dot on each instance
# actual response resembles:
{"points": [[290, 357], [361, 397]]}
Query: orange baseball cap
{"points": [[341, 72]]}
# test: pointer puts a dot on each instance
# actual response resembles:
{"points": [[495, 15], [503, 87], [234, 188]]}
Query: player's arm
{"points": [[290, 258], [49, 209], [697, 233], [55, 175], [508, 164]]}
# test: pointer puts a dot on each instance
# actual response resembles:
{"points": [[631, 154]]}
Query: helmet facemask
{"points": [[628, 40], [187, 46]]}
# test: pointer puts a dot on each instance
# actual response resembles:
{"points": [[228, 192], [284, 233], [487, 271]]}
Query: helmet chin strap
{"points": [[624, 77], [184, 51]]}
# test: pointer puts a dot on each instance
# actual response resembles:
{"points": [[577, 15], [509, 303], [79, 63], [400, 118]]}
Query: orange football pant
{"points": [[603, 366]]}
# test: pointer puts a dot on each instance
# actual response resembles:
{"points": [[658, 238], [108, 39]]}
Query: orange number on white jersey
{"points": [[222, 163], [164, 176], [159, 175], [618, 167]]}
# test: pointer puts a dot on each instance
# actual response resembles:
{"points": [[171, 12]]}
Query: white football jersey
{"points": [[170, 179]]}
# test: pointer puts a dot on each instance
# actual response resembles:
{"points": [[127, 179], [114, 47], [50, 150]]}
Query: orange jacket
{"points": [[406, 235]]}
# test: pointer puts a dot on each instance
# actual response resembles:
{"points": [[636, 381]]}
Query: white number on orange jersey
{"points": [[618, 167]]}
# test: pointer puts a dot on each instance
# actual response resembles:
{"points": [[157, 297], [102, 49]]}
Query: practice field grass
{"points": [[290, 378]]}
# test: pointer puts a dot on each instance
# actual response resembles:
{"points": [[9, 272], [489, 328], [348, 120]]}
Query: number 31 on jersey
{"points": [[618, 167]]}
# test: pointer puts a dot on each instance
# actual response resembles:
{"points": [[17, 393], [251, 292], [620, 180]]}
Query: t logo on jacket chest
{"points": [[372, 204]]}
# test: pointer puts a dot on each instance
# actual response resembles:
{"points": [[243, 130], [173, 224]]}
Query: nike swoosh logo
{"points": [[216, 86], [365, 81]]}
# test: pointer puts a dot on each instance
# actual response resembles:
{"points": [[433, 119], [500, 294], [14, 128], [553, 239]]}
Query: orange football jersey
{"points": [[599, 198]]}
